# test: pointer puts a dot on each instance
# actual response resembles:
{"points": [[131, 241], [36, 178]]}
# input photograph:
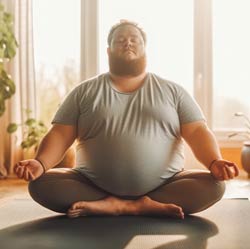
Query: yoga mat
{"points": [[24, 224]]}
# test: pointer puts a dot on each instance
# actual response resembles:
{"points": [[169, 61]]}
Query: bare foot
{"points": [[147, 206], [107, 206], [115, 206]]}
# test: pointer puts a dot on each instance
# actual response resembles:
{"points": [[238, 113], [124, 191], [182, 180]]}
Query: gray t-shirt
{"points": [[128, 143]]}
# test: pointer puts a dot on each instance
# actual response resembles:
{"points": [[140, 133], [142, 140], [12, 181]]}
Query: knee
{"points": [[212, 188], [216, 188], [212, 191], [35, 188], [41, 193], [40, 189]]}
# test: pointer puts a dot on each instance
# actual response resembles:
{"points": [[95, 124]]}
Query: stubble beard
{"points": [[123, 67]]}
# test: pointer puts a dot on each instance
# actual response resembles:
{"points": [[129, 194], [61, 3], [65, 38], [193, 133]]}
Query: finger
{"points": [[220, 177], [20, 171], [26, 174], [230, 171], [218, 173], [72, 212], [234, 166], [16, 167], [24, 162], [236, 170], [31, 176], [224, 173], [229, 163], [16, 171]]}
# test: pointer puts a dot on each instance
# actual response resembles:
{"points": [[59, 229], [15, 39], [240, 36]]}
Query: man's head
{"points": [[126, 51]]}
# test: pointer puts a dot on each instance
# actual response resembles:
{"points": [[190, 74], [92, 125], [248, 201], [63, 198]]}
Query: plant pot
{"points": [[245, 157]]}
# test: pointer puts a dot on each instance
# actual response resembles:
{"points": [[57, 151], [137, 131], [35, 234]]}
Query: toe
{"points": [[72, 214], [78, 205], [179, 213]]}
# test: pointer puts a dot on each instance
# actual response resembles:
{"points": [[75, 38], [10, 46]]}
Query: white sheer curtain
{"points": [[21, 69]]}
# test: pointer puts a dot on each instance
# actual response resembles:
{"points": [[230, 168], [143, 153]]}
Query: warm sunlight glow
{"points": [[57, 51], [231, 39], [169, 27], [155, 241], [56, 32]]}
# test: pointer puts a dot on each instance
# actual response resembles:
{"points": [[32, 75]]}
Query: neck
{"points": [[127, 83]]}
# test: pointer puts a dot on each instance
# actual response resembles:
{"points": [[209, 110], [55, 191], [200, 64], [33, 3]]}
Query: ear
{"points": [[108, 50]]}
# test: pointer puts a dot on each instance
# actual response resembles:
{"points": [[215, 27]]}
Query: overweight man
{"points": [[130, 126]]}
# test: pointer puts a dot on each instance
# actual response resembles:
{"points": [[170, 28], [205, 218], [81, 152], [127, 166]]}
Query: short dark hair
{"points": [[124, 23]]}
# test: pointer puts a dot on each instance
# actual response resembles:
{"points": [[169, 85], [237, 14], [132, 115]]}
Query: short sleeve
{"points": [[188, 109], [68, 111]]}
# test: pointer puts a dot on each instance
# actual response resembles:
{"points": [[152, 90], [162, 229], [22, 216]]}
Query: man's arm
{"points": [[205, 147], [50, 152], [54, 145]]}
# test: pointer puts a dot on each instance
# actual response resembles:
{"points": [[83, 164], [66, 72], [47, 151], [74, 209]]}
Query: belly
{"points": [[129, 166]]}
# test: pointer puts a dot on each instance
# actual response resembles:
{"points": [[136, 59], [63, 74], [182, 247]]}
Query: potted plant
{"points": [[245, 151], [8, 45], [33, 131], [245, 133]]}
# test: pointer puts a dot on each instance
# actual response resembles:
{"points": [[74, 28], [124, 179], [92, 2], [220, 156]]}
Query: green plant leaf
{"points": [[12, 127], [30, 121], [2, 108], [8, 17], [25, 144], [8, 45]]}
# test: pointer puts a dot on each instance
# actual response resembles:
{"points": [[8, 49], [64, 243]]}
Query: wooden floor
{"points": [[13, 188]]}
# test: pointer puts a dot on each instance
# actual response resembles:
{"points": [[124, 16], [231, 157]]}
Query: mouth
{"points": [[129, 51]]}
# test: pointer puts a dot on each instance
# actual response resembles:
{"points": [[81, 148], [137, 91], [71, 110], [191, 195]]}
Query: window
{"points": [[169, 28], [231, 60], [194, 43], [57, 51]]}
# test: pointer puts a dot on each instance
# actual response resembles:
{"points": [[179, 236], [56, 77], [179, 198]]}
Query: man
{"points": [[130, 126]]}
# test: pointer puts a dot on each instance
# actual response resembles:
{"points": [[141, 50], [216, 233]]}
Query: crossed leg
{"points": [[66, 191], [116, 206]]}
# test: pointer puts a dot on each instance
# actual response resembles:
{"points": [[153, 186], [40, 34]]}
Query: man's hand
{"points": [[224, 170], [28, 170]]}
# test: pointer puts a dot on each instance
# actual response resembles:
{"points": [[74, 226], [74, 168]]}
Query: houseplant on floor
{"points": [[33, 131], [245, 150], [8, 45]]}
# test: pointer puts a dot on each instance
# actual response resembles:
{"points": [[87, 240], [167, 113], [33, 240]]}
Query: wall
{"points": [[231, 154]]}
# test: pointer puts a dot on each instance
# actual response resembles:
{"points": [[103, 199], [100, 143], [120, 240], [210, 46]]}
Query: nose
{"points": [[128, 43]]}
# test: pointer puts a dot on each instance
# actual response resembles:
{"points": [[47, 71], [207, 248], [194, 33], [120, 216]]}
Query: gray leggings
{"points": [[193, 190]]}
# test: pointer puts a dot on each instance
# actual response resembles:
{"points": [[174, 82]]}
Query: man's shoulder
{"points": [[92, 81], [165, 83]]}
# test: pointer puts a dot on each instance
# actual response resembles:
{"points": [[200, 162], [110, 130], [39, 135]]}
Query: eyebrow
{"points": [[121, 36]]}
